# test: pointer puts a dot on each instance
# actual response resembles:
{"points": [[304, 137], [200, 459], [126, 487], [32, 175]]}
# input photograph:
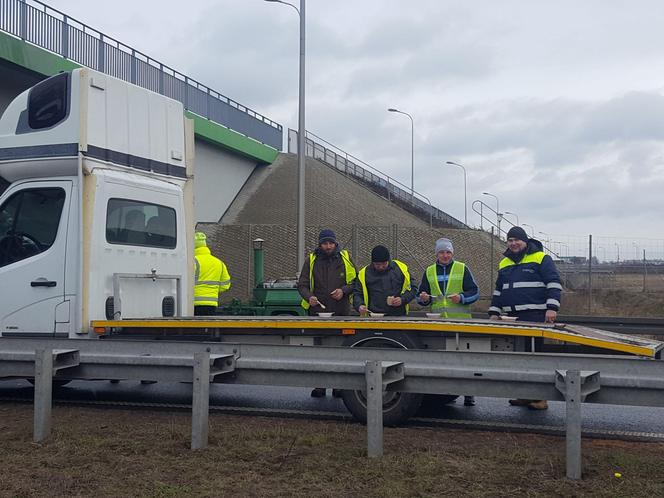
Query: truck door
{"points": [[33, 235]]}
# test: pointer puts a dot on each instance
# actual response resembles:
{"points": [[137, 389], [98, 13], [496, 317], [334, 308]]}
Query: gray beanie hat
{"points": [[444, 245]]}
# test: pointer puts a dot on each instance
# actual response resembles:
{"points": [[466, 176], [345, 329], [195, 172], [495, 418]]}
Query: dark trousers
{"points": [[205, 310]]}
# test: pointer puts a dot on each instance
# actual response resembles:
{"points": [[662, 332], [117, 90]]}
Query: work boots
{"points": [[540, 404]]}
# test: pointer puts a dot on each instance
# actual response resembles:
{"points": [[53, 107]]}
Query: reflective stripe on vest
{"points": [[361, 276], [439, 301], [535, 257], [349, 270]]}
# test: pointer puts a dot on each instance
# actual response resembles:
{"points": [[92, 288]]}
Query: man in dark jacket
{"points": [[327, 278], [384, 286], [528, 288], [326, 282]]}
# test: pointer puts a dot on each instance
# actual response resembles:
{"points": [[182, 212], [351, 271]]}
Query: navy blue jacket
{"points": [[528, 284]]}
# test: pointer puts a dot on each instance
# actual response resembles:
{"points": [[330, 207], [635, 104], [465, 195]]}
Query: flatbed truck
{"points": [[96, 240]]}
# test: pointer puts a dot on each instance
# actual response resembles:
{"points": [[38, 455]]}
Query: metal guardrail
{"points": [[50, 29], [383, 184], [571, 378]]}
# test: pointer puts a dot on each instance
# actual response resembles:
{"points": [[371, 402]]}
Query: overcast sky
{"points": [[557, 107]]}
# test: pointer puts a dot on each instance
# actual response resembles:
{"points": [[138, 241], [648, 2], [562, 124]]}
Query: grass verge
{"points": [[97, 452]]}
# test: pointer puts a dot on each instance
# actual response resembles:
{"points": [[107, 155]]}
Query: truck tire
{"points": [[397, 407], [432, 403]]}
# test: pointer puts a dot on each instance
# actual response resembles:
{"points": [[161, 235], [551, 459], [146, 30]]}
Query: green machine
{"points": [[271, 298]]}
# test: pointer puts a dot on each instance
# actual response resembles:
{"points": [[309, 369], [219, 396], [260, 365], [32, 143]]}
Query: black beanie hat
{"points": [[327, 235], [380, 254], [517, 233]]}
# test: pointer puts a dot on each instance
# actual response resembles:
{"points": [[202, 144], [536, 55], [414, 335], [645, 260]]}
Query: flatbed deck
{"points": [[574, 334]]}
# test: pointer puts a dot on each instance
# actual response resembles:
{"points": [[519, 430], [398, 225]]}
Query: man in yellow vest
{"points": [[449, 287], [326, 282], [384, 286], [327, 277], [211, 279]]}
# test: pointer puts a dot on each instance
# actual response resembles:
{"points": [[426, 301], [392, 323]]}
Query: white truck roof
{"points": [[95, 114]]}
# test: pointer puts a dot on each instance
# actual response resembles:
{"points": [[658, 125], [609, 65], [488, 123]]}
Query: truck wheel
{"points": [[432, 403], [397, 407]]}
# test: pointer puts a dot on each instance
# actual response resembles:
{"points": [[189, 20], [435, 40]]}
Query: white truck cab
{"points": [[96, 219]]}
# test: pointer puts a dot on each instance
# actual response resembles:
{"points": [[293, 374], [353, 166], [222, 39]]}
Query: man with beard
{"points": [[528, 288], [326, 282], [384, 286]]}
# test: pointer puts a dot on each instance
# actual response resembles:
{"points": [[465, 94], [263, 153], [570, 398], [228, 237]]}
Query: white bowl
{"points": [[508, 318], [325, 315], [376, 315], [433, 315]]}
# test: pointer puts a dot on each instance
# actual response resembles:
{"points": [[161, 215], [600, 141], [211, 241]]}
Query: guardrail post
{"points": [[43, 393], [374, 377], [200, 404], [573, 423]]}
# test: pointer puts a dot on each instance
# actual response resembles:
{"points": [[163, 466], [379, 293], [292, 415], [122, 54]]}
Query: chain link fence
{"points": [[600, 275], [414, 246]]}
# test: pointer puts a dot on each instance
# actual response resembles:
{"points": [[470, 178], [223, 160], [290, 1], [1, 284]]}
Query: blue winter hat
{"points": [[327, 235]]}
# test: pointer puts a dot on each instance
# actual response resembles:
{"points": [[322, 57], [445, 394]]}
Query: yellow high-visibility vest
{"points": [[349, 270], [362, 278], [211, 278], [439, 301]]}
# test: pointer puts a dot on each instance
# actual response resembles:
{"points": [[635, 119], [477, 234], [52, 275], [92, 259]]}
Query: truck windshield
{"points": [[138, 223]]}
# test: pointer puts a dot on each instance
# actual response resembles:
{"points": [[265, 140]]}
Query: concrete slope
{"points": [[269, 197]]}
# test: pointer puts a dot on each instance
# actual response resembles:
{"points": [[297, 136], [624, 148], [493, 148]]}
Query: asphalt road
{"points": [[491, 411]]}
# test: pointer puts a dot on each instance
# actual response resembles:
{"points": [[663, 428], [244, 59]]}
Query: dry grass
{"points": [[95, 452]]}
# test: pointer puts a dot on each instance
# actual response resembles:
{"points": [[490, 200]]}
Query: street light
{"points": [[412, 150], [618, 252], [301, 139], [499, 215], [465, 191], [516, 216], [532, 229]]}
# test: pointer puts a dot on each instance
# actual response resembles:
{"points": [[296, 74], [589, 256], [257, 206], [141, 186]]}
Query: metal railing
{"points": [[37, 23], [381, 183]]}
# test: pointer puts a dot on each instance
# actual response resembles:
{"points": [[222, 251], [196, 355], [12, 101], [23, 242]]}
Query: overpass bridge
{"points": [[232, 140]]}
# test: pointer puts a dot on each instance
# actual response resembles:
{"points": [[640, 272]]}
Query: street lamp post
{"points": [[516, 216], [412, 150], [617, 252], [301, 138], [465, 191], [532, 229], [499, 215]]}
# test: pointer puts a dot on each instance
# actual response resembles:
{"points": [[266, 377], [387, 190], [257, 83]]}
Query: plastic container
{"points": [[325, 315], [433, 315], [508, 318], [376, 315]]}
